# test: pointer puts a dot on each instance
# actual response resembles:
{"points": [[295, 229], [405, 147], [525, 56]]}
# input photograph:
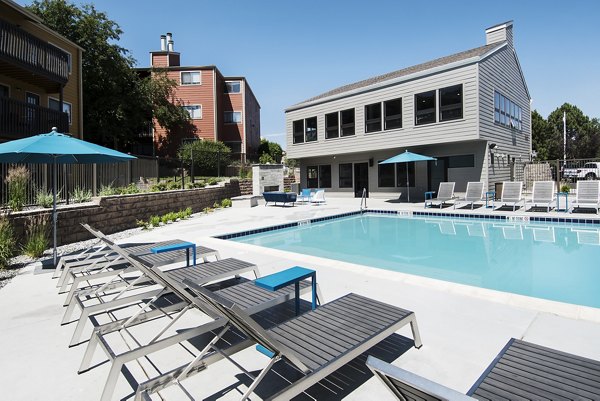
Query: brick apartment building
{"points": [[221, 108]]}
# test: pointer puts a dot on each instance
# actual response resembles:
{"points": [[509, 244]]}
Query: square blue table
{"points": [[562, 195], [176, 247], [277, 281], [429, 197], [490, 195]]}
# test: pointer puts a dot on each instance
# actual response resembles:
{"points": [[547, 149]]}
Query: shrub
{"points": [[199, 184], [207, 210], [212, 181], [17, 179], [565, 188], [161, 186], [37, 240], [154, 221], [129, 189], [108, 190], [80, 195], [245, 172], [187, 212], [266, 158], [172, 185], [43, 198], [209, 156], [7, 241], [226, 203]]}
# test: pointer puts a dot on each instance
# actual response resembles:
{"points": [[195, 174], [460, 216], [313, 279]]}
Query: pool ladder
{"points": [[363, 198]]}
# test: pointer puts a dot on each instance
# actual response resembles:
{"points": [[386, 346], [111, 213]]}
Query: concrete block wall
{"points": [[245, 186], [121, 212]]}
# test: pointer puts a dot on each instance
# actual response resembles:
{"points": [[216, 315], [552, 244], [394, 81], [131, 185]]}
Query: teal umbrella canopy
{"points": [[55, 147], [407, 157]]}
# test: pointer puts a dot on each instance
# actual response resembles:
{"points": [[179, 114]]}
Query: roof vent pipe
{"points": [[163, 42], [170, 45]]}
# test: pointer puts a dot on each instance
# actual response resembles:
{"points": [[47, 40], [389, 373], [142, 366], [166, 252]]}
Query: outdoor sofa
{"points": [[280, 197]]}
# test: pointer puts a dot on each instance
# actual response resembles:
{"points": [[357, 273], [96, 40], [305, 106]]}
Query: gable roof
{"points": [[476, 54]]}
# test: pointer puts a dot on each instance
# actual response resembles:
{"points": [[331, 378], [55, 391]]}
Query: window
{"points": [[373, 117], [54, 104], [425, 108], [461, 161], [506, 112], [345, 174], [332, 125], [298, 128], [194, 110], [190, 78], [393, 113], [311, 129], [232, 87], [325, 176], [4, 91], [32, 98], [347, 117], [401, 169], [385, 175], [235, 146], [312, 177], [233, 117], [451, 105]]}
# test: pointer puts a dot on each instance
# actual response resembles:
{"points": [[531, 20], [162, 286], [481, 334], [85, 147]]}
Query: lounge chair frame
{"points": [[544, 193], [474, 193], [588, 194], [512, 193], [445, 193]]}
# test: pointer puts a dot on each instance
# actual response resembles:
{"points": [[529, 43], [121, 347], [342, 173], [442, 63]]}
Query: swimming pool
{"points": [[551, 261]]}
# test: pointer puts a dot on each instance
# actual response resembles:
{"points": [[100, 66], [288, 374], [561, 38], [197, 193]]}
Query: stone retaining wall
{"points": [[245, 186], [121, 212]]}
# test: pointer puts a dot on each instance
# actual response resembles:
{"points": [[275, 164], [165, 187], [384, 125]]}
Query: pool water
{"points": [[556, 262]]}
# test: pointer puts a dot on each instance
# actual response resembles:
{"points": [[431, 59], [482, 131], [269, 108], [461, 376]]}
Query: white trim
{"points": [[70, 63], [430, 71], [190, 72], [233, 93], [186, 106], [498, 27], [70, 108]]}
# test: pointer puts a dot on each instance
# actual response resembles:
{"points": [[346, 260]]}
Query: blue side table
{"points": [[560, 195], [429, 197], [176, 247], [490, 195], [293, 275]]}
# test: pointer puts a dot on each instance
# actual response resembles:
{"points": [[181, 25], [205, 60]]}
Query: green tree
{"points": [[273, 149], [117, 103], [208, 156], [541, 137], [583, 134]]}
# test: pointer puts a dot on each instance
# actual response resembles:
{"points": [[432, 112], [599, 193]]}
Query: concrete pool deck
{"points": [[463, 328]]}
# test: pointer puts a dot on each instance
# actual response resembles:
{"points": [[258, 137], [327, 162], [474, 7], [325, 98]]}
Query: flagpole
{"points": [[564, 137]]}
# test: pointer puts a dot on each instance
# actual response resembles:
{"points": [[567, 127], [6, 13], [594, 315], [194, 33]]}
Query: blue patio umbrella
{"points": [[407, 157], [56, 148]]}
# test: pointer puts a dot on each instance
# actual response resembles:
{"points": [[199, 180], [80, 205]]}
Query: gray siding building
{"points": [[470, 110]]}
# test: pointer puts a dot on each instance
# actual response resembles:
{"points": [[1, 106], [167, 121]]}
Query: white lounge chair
{"points": [[512, 194], [445, 193], [544, 193], [318, 198], [588, 194], [474, 193]]}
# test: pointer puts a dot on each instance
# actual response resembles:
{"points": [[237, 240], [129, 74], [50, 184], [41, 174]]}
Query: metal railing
{"points": [[32, 53], [560, 171], [20, 119]]}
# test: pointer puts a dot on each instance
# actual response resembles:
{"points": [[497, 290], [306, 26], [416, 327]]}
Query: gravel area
{"points": [[19, 262]]}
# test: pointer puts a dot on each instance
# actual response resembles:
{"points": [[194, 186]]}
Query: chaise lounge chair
{"points": [[318, 342], [474, 193], [522, 371], [588, 195], [512, 194], [445, 193], [304, 196], [252, 299], [544, 193], [318, 197]]}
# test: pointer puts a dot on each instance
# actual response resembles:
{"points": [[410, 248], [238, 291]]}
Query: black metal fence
{"points": [[20, 119], [561, 171]]}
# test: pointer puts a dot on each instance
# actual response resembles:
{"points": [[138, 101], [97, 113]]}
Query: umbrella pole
{"points": [[407, 185], [54, 209]]}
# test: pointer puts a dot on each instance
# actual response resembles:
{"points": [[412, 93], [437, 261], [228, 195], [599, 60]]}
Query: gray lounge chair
{"points": [[587, 195], [473, 194], [252, 298], [316, 343], [522, 371], [445, 193], [512, 194], [544, 193]]}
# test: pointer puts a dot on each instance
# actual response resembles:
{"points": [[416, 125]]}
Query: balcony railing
{"points": [[22, 48], [20, 119]]}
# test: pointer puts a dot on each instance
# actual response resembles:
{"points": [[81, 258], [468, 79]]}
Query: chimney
{"points": [[500, 33], [169, 41], [163, 43], [170, 44]]}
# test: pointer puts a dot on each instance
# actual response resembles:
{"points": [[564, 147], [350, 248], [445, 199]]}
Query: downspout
{"points": [[80, 79]]}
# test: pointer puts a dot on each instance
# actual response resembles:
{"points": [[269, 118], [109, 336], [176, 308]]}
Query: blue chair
{"points": [[304, 195]]}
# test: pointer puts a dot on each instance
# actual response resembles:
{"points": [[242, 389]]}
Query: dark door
{"points": [[361, 179], [437, 171]]}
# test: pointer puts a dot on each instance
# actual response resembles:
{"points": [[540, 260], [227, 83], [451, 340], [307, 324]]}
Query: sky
{"points": [[290, 51]]}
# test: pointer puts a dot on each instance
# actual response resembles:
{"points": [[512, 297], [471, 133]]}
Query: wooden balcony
{"points": [[30, 59], [19, 119]]}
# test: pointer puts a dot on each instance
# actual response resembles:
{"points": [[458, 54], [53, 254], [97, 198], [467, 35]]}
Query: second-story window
{"points": [[232, 87], [506, 112], [347, 117], [311, 129], [332, 125], [233, 117], [425, 108], [298, 131], [393, 113], [373, 117], [54, 104], [190, 78], [194, 110], [451, 104]]}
